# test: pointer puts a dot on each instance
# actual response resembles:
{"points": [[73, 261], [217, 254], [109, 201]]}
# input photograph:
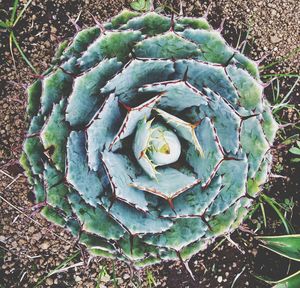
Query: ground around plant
{"points": [[33, 253]]}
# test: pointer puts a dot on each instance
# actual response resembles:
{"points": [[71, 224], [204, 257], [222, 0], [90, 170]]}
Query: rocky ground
{"points": [[30, 249]]}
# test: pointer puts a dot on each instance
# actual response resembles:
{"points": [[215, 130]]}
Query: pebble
{"points": [[275, 39], [220, 279], [45, 245]]}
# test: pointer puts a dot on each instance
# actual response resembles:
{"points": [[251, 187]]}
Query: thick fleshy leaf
{"points": [[254, 143], [56, 189], [132, 118], [177, 95], [149, 24], [206, 165], [121, 170], [137, 222], [246, 63], [96, 242], [135, 248], [102, 130], [35, 154], [249, 90], [39, 190], [26, 166], [168, 183], [86, 98], [254, 184], [95, 220], [137, 73], [140, 144], [202, 75], [269, 125], [183, 232], [192, 202], [85, 181], [167, 45], [55, 87], [34, 93], [191, 22], [183, 129], [123, 18], [234, 177], [36, 124], [81, 41], [53, 216], [187, 252], [211, 43], [225, 120], [116, 44], [54, 135], [221, 223]]}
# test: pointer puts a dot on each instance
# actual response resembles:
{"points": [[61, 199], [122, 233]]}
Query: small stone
{"points": [[77, 278], [220, 279], [45, 245], [53, 30], [126, 276], [49, 281], [274, 39], [105, 278]]}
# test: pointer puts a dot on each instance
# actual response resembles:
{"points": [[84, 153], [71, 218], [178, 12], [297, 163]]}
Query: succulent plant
{"points": [[149, 137]]}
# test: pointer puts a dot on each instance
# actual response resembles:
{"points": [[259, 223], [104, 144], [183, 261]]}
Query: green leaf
{"points": [[285, 245], [54, 135], [168, 45], [87, 90], [292, 281], [4, 25], [295, 150], [14, 10], [141, 5]]}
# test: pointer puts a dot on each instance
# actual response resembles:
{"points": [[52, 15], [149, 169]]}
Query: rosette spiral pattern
{"points": [[149, 137]]}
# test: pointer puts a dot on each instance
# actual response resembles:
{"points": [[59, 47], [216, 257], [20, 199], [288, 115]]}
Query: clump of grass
{"points": [[9, 27]]}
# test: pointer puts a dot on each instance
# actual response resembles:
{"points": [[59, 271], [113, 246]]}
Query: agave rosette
{"points": [[149, 137]]}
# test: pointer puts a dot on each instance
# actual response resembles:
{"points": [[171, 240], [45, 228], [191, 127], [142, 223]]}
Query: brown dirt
{"points": [[29, 251]]}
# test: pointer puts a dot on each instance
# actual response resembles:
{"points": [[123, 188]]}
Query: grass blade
{"points": [[278, 212], [22, 53], [3, 25], [282, 59], [14, 10], [11, 49], [280, 75], [22, 12], [57, 269], [262, 208]]}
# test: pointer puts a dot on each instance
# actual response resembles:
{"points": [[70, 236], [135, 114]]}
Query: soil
{"points": [[30, 249]]}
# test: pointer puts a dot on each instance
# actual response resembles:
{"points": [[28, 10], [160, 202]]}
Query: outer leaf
{"points": [[168, 183], [85, 181], [102, 130], [54, 135], [150, 24], [168, 45], [86, 99], [116, 44], [136, 74]]}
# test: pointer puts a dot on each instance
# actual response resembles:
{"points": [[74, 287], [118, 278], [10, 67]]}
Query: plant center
{"points": [[163, 147]]}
